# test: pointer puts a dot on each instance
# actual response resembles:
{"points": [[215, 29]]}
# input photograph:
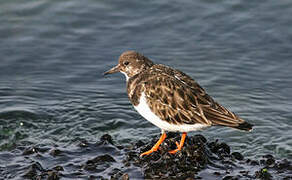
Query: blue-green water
{"points": [[53, 54]]}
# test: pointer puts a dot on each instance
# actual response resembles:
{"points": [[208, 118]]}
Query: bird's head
{"points": [[130, 64]]}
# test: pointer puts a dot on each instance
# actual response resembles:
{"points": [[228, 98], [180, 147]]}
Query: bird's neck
{"points": [[134, 89], [127, 77]]}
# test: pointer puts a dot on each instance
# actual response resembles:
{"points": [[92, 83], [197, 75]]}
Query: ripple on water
{"points": [[54, 52], [13, 122]]}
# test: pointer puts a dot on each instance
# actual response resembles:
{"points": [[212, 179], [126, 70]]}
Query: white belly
{"points": [[146, 112]]}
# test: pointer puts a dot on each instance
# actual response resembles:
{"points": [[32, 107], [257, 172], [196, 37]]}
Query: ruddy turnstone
{"points": [[170, 99]]}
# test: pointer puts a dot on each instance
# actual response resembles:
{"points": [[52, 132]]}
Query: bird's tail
{"points": [[223, 117], [241, 125], [244, 126]]}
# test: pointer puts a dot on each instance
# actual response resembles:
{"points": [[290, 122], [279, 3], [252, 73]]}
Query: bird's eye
{"points": [[126, 63]]}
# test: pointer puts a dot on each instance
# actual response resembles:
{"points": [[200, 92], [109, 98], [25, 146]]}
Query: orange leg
{"points": [[181, 144], [156, 146]]}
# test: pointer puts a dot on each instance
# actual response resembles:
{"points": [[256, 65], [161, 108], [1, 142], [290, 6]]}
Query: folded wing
{"points": [[178, 99]]}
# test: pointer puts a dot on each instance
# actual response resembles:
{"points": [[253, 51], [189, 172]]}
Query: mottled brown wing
{"points": [[213, 111], [173, 101], [177, 98]]}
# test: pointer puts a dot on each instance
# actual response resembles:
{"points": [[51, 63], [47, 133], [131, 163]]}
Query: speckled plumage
{"points": [[172, 95]]}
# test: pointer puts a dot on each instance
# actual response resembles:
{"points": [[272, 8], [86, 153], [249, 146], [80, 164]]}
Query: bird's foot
{"points": [[178, 148], [148, 152], [179, 145], [156, 146]]}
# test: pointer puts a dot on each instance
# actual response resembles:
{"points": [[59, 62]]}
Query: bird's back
{"points": [[177, 99]]}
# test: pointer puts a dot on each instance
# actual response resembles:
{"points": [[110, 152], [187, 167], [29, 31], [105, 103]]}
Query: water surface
{"points": [[53, 54]]}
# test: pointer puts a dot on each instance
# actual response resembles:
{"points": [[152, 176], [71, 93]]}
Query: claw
{"points": [[147, 152], [173, 151], [179, 145], [156, 146]]}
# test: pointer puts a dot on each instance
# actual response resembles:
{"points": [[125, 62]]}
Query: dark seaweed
{"points": [[199, 159]]}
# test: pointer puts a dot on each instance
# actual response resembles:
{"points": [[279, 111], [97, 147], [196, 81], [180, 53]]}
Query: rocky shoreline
{"points": [[199, 159]]}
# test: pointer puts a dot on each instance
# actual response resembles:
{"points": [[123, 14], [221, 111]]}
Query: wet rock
{"points": [[91, 177], [98, 163], [284, 165], [30, 150], [83, 143], [196, 155], [217, 173], [139, 143], [106, 138], [199, 139], [184, 164], [90, 167], [270, 161], [38, 166], [102, 158], [31, 173], [220, 149], [116, 174], [268, 156], [120, 147], [53, 175], [237, 156], [263, 174], [198, 159], [254, 163], [58, 168], [132, 155], [33, 170], [55, 152], [229, 178], [262, 162], [245, 173]]}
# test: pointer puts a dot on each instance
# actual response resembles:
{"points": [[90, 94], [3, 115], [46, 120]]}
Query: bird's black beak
{"points": [[113, 70]]}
